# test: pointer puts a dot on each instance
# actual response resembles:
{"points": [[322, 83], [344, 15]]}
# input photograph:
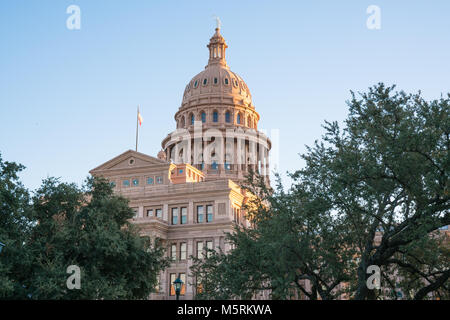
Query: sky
{"points": [[68, 98]]}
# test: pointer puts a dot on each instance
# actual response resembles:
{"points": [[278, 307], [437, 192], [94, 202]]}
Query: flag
{"points": [[140, 118]]}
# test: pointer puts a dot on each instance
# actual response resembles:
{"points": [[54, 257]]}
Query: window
{"points": [[215, 117], [199, 285], [200, 250], [180, 171], [174, 215], [209, 245], [215, 80], [203, 117], [150, 213], [205, 81], [192, 119], [183, 250], [214, 165], [196, 84], [183, 286], [199, 214], [112, 184], [209, 213], [227, 117], [158, 213], [173, 252], [126, 183], [135, 213], [150, 181], [238, 119], [159, 180], [226, 81], [227, 166], [158, 284], [172, 278], [183, 215], [135, 182]]}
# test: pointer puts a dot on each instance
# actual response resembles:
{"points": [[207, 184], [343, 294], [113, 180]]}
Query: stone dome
{"points": [[217, 80], [217, 124]]}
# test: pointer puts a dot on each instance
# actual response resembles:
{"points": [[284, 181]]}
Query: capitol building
{"points": [[189, 195]]}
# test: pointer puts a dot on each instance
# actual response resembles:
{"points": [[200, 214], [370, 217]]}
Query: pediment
{"points": [[130, 160]]}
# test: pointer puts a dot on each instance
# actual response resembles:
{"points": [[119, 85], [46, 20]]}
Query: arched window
{"points": [[215, 116], [192, 119], [227, 163], [203, 117], [238, 118], [180, 156], [227, 117], [214, 165]]}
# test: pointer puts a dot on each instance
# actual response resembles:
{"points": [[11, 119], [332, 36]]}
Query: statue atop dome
{"points": [[218, 23]]}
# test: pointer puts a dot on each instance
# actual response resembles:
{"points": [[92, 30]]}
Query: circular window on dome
{"points": [[196, 84], [205, 81], [226, 81]]}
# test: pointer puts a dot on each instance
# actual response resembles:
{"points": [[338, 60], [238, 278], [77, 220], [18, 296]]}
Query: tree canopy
{"points": [[63, 225], [374, 193]]}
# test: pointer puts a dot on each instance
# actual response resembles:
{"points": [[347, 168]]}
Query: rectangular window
{"points": [[183, 287], [183, 251], [159, 180], [174, 215], [209, 213], [172, 278], [173, 252], [150, 213], [150, 180], [158, 213], [126, 183], [199, 214], [209, 245], [158, 284], [200, 250], [199, 285], [183, 215]]}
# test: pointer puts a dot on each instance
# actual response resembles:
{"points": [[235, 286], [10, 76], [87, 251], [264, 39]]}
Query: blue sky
{"points": [[68, 97]]}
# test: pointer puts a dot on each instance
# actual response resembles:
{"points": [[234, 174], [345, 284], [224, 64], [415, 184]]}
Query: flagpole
{"points": [[137, 127]]}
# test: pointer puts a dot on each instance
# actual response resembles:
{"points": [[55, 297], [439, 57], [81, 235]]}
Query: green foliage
{"points": [[374, 193], [65, 225], [14, 225]]}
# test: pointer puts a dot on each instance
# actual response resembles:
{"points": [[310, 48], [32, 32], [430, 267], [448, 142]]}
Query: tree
{"points": [[374, 193], [14, 226], [63, 225], [89, 228], [293, 249]]}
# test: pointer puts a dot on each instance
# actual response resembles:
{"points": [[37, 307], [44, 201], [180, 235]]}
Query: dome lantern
{"points": [[217, 47]]}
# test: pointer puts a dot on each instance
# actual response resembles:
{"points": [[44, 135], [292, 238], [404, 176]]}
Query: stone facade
{"points": [[189, 195]]}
